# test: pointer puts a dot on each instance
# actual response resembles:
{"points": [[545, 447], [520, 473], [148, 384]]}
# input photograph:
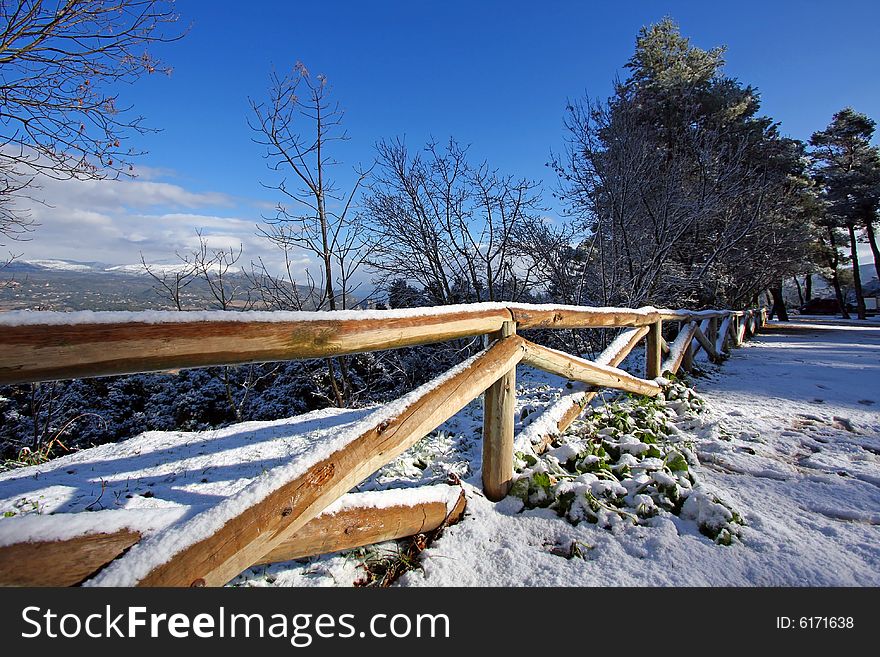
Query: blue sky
{"points": [[493, 74]]}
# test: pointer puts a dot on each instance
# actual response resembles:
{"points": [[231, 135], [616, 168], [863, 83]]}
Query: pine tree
{"points": [[847, 168], [687, 195]]}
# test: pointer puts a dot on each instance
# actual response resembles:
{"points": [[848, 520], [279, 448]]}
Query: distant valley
{"points": [[68, 285]]}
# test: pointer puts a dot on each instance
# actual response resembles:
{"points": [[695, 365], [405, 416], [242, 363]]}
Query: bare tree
{"points": [[282, 291], [171, 281], [297, 125], [449, 225], [61, 61]]}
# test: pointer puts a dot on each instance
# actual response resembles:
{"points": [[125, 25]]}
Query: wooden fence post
{"points": [[713, 331], [687, 361], [498, 409], [654, 350]]}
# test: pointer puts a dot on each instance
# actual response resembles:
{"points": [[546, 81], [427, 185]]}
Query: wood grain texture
{"points": [[61, 563], [680, 348], [654, 350], [48, 352], [691, 315], [723, 334], [558, 318], [706, 344], [42, 352], [614, 355], [498, 420], [358, 526], [578, 369], [71, 561]]}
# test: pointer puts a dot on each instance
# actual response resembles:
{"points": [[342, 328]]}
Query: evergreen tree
{"points": [[847, 168], [686, 195]]}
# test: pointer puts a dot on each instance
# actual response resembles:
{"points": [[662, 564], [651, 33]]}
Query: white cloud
{"points": [[114, 221]]}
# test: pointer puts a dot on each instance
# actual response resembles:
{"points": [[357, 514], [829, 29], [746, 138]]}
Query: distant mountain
{"points": [[101, 267], [56, 265], [159, 269], [66, 265], [56, 284]]}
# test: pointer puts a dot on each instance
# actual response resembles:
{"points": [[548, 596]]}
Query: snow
{"points": [[615, 347], [547, 423], [160, 269], [384, 499], [678, 345], [190, 473], [51, 318], [322, 443], [790, 439], [809, 493], [59, 265]]}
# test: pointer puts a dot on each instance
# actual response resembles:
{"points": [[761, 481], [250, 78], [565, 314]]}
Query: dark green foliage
{"points": [[685, 194], [626, 462], [846, 169]]}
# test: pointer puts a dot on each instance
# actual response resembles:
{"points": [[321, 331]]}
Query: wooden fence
{"points": [[283, 518]]}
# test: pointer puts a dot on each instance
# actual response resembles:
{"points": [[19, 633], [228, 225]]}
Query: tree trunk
{"points": [[800, 291], [778, 303], [835, 279], [841, 302], [334, 386], [872, 240], [808, 287], [857, 277]]}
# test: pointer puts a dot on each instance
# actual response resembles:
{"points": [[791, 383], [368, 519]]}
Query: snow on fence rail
{"points": [[294, 509]]}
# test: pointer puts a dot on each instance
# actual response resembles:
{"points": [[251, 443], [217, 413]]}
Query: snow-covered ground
{"points": [[790, 439]]}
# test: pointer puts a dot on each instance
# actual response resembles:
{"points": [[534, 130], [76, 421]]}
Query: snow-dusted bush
{"points": [[626, 461]]}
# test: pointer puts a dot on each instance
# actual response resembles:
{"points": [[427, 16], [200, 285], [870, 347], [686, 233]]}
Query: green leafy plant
{"points": [[625, 461]]}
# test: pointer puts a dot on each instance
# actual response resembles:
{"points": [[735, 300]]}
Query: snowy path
{"points": [[792, 441]]}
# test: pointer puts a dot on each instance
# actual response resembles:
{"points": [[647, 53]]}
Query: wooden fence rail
{"points": [[268, 520]]}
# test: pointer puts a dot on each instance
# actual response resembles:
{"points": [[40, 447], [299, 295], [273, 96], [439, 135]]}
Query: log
{"points": [[706, 344], [35, 351], [578, 369], [734, 330], [61, 563], [365, 524], [687, 361], [721, 340], [664, 346], [654, 350], [498, 410], [690, 315], [696, 345], [679, 347], [255, 530], [364, 519], [613, 355], [572, 317]]}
